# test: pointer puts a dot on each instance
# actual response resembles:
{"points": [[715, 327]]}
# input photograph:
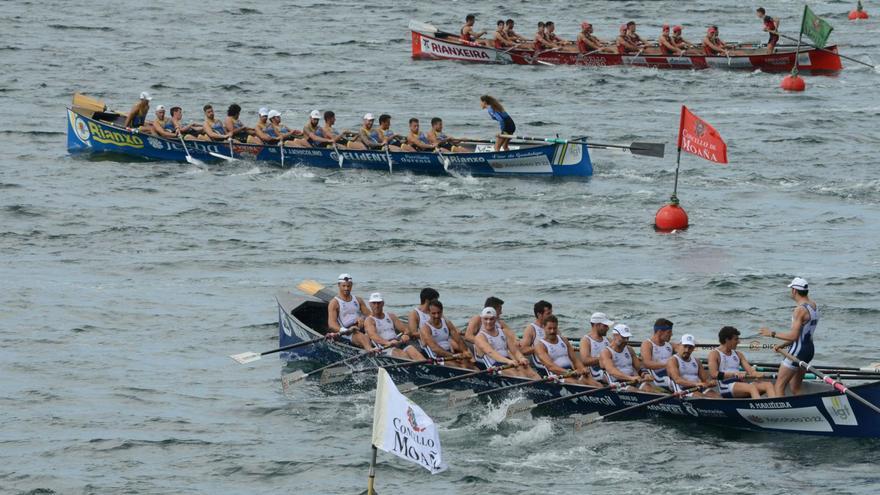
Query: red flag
{"points": [[696, 136]]}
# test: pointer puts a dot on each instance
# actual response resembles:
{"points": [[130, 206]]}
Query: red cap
{"points": [[623, 27], [666, 27], [711, 29], [585, 25], [677, 29]]}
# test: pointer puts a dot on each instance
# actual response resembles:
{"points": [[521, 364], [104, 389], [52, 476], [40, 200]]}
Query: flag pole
{"points": [[372, 478], [797, 51], [674, 198]]}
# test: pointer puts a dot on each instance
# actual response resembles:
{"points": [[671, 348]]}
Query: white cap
{"points": [[263, 111], [369, 116], [799, 284], [274, 113], [376, 297], [601, 318], [688, 339], [315, 114], [622, 330], [146, 96], [160, 107], [488, 311], [344, 277]]}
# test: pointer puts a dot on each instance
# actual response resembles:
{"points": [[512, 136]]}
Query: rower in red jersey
{"points": [[541, 42], [679, 42], [500, 40], [468, 35], [587, 43], [667, 45], [771, 25], [712, 44], [624, 45], [634, 38]]}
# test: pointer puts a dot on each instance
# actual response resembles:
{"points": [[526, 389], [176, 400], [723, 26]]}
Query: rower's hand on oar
{"points": [[522, 362]]}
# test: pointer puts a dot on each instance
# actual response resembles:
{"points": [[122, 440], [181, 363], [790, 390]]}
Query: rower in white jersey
{"points": [[346, 313], [440, 338], [419, 315], [535, 330], [474, 323], [804, 321], [725, 363], [685, 371], [655, 353], [592, 344], [556, 356], [386, 330], [496, 346], [619, 362]]}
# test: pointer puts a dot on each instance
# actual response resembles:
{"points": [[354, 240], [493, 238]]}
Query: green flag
{"points": [[816, 28]]}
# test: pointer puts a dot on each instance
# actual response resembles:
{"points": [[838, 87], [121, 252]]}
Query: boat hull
{"points": [[87, 135], [822, 412], [427, 47]]}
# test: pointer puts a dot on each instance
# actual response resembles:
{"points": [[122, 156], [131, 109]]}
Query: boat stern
{"points": [[571, 160]]}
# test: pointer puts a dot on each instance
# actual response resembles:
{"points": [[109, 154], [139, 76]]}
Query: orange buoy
{"points": [[671, 217], [858, 13], [793, 82]]}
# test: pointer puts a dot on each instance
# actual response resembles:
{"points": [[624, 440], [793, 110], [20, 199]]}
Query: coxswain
{"points": [[415, 140], [771, 25], [232, 123], [278, 130], [475, 321], [496, 346], [212, 128], [468, 35], [369, 136], [667, 45], [804, 320], [511, 34], [593, 343], [327, 131], [440, 338], [501, 40], [177, 122], [587, 43], [655, 353], [685, 371], [161, 126], [621, 364], [346, 312], [725, 363], [505, 122], [535, 330], [712, 45], [137, 116], [260, 135], [679, 42], [633, 37], [385, 329], [419, 315], [555, 355], [624, 46], [439, 139]]}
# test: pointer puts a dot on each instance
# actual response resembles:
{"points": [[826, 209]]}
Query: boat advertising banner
{"points": [[400, 427]]}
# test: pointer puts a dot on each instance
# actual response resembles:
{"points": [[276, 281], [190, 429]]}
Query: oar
{"points": [[314, 288], [467, 396], [828, 51], [645, 149], [868, 372], [189, 158], [299, 375], [332, 375], [488, 371], [827, 379], [388, 157], [339, 157], [521, 407], [281, 149], [443, 159], [230, 158], [597, 418], [871, 368], [250, 357]]}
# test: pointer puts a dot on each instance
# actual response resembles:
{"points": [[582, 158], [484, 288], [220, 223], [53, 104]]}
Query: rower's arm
{"points": [[527, 342], [161, 130], [131, 115], [512, 346], [573, 357], [470, 332], [370, 327], [747, 366], [608, 365], [486, 349], [674, 374], [585, 351], [544, 357], [262, 135], [428, 341], [413, 322], [209, 131], [333, 315], [365, 310], [398, 325], [456, 336]]}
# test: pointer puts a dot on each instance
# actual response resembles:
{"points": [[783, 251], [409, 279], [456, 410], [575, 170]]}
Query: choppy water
{"points": [[125, 285]]}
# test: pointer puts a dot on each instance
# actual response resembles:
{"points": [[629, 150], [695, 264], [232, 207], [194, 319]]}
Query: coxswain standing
{"points": [[347, 312], [685, 371], [535, 330], [556, 356], [496, 346], [593, 343], [804, 320], [468, 35], [383, 328], [501, 40], [440, 338], [655, 353], [725, 363], [505, 122], [621, 364], [771, 25], [587, 43], [667, 44], [712, 45]]}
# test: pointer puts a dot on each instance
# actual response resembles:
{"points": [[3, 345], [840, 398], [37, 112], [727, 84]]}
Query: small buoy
{"points": [[671, 217], [793, 82], [858, 13]]}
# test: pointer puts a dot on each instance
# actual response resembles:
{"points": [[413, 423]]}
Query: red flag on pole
{"points": [[697, 137]]}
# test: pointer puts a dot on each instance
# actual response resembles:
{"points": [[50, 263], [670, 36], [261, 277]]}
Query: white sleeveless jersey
{"points": [[349, 311], [558, 353], [440, 335], [385, 327], [539, 333], [596, 351], [499, 341], [661, 353], [689, 370], [423, 317], [622, 361], [728, 364]]}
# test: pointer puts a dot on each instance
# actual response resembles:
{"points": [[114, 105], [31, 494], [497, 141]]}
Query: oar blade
{"points": [[579, 421], [290, 378], [246, 357], [335, 374], [222, 157], [407, 387], [194, 161], [461, 397], [648, 149], [310, 287], [520, 409]]}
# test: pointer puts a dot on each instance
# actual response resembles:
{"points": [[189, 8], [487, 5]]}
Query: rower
{"points": [[280, 131], [415, 140], [468, 35], [725, 363], [311, 133], [535, 330], [511, 34], [556, 356], [440, 338], [771, 25], [368, 136], [624, 45], [177, 122], [540, 42], [389, 138], [634, 38], [501, 40], [655, 353], [667, 45], [233, 124], [679, 42], [712, 45], [419, 315], [496, 346], [212, 128], [347, 312], [327, 131], [587, 43], [685, 371], [438, 139], [804, 320], [261, 133], [593, 343], [550, 35], [137, 116], [475, 321], [621, 364], [383, 328], [505, 122], [163, 127]]}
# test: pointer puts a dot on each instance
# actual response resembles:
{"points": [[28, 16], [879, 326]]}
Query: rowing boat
{"points": [[821, 410], [439, 45], [98, 132]]}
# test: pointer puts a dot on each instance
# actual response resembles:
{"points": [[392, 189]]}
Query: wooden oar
{"points": [[299, 375], [314, 288], [332, 375], [250, 357], [595, 418], [521, 407], [468, 396], [488, 371], [827, 379], [189, 158], [645, 149], [828, 51]]}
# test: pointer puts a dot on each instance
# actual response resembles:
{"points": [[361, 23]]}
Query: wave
{"points": [[65, 27]]}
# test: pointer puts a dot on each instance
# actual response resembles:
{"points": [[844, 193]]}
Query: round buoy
{"points": [[671, 217], [793, 82]]}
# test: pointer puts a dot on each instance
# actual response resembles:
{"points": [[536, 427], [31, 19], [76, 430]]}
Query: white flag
{"points": [[403, 429]]}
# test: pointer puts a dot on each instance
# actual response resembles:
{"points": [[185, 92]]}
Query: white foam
{"points": [[542, 430]]}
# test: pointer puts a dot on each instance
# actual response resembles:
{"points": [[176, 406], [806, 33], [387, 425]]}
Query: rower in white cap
{"points": [[685, 371], [261, 128], [385, 329], [592, 344], [475, 321], [311, 137], [497, 346], [346, 313], [368, 135], [137, 116], [804, 320], [621, 364]]}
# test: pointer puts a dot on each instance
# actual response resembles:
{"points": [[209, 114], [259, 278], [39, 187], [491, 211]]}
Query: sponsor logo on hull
{"points": [[442, 49], [795, 419], [840, 411]]}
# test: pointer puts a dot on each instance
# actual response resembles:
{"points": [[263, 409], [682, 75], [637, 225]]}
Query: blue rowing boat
{"points": [[89, 135], [820, 410]]}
